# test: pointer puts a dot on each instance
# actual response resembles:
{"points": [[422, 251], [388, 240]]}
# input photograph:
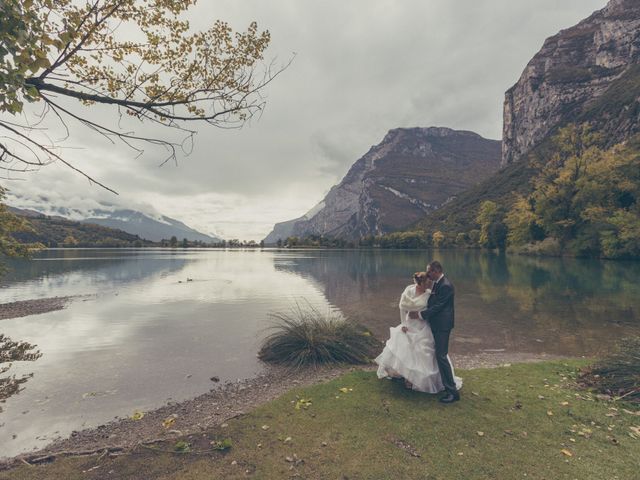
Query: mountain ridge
{"points": [[390, 186], [134, 222]]}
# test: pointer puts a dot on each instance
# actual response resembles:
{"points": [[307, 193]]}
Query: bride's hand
{"points": [[404, 329]]}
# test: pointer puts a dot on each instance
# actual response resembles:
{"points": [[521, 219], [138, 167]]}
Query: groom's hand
{"points": [[414, 315]]}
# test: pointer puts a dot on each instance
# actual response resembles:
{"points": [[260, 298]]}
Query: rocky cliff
{"points": [[589, 72], [412, 172]]}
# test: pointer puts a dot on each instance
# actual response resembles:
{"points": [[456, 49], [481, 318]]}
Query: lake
{"points": [[156, 325]]}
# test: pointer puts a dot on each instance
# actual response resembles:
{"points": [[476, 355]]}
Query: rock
{"points": [[215, 379], [574, 78], [389, 188]]}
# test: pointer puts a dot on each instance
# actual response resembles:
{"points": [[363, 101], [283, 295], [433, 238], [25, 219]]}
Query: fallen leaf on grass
{"points": [[636, 432], [345, 390], [480, 434], [566, 452], [222, 445], [265, 427], [303, 403], [564, 404], [550, 413], [630, 412]]}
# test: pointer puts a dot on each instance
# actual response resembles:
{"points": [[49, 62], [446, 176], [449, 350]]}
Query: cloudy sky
{"points": [[361, 67]]}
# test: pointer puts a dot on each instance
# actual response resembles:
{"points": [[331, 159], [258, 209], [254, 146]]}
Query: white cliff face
{"points": [[571, 71], [410, 173]]}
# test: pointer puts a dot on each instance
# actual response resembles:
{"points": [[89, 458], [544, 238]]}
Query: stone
{"points": [[571, 72]]}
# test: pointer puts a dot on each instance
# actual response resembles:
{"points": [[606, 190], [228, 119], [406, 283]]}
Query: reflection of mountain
{"points": [[70, 272], [521, 304]]}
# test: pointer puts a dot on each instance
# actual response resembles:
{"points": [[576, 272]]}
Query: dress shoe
{"points": [[450, 398]]}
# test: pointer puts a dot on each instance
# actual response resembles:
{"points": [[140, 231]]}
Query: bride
{"points": [[410, 351]]}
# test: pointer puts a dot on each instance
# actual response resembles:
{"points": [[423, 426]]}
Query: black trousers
{"points": [[442, 350]]}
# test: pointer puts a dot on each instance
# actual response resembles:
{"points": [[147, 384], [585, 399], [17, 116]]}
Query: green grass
{"points": [[512, 423]]}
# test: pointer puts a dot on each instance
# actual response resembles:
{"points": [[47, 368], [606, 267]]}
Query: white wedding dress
{"points": [[412, 355]]}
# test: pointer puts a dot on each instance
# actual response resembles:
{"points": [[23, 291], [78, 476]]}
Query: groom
{"points": [[439, 313]]}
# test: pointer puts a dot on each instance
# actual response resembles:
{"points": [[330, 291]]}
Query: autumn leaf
{"points": [[303, 403], [137, 415], [566, 452]]}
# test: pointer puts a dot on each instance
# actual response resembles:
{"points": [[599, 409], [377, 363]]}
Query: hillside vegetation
{"points": [[59, 232]]}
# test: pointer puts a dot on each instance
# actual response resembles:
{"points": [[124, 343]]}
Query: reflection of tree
{"points": [[555, 305], [11, 351]]}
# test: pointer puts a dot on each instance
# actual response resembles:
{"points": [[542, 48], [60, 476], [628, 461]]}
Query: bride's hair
{"points": [[420, 277]]}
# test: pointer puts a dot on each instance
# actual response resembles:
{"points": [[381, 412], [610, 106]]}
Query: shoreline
{"points": [[214, 408]]}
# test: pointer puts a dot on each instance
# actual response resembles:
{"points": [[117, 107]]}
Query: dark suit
{"points": [[440, 315]]}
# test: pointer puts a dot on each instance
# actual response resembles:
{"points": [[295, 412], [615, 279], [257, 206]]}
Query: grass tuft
{"points": [[306, 337], [618, 374]]}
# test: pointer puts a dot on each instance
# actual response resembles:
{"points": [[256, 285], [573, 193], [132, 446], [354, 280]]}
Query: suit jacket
{"points": [[439, 311]]}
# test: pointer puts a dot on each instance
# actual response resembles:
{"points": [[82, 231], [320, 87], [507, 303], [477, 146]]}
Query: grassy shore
{"points": [[526, 421]]}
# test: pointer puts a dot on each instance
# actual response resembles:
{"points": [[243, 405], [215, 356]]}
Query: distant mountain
{"points": [[154, 228], [151, 228], [57, 232], [411, 173]]}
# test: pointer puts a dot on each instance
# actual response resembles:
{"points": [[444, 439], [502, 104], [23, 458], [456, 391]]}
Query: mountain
{"points": [[58, 231], [412, 172], [154, 228], [150, 228], [589, 72]]}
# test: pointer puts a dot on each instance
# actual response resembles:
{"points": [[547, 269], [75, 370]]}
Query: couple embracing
{"points": [[418, 349]]}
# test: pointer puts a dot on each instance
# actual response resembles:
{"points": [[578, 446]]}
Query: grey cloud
{"points": [[362, 67]]}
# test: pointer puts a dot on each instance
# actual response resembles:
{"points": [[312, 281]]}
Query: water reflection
{"points": [[148, 335], [512, 303], [139, 343], [12, 351], [65, 272]]}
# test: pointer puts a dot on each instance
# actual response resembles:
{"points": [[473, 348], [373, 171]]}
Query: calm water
{"points": [[146, 335]]}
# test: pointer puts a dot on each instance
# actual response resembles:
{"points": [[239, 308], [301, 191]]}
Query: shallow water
{"points": [[147, 334]]}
